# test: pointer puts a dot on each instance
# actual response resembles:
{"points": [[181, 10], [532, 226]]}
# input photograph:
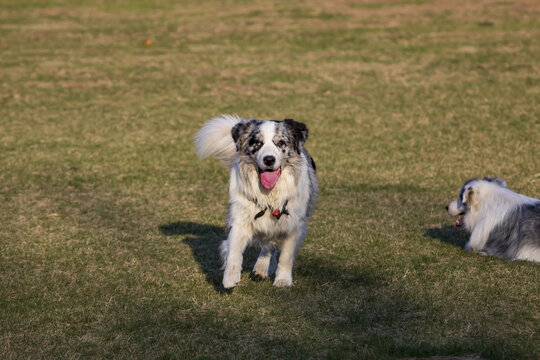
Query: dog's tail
{"points": [[215, 139]]}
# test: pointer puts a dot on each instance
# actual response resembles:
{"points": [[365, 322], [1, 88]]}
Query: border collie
{"points": [[273, 188], [502, 223]]}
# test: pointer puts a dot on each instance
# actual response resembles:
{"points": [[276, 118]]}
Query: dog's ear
{"points": [[468, 196], [497, 181], [237, 132], [299, 132]]}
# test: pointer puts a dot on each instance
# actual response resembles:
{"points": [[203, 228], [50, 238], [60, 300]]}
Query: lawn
{"points": [[110, 225]]}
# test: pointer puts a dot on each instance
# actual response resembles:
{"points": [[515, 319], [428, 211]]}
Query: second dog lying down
{"points": [[502, 223]]}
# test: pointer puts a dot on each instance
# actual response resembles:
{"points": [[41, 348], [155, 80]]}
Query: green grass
{"points": [[109, 225]]}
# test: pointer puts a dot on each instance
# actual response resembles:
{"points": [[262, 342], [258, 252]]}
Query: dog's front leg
{"points": [[237, 241], [265, 264], [289, 248], [477, 239]]}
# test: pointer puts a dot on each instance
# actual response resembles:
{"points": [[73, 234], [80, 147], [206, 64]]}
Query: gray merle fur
{"points": [[520, 228]]}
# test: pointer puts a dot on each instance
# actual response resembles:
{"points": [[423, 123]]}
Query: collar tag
{"points": [[275, 213]]}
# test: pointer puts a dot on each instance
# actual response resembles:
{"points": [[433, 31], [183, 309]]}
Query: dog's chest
{"points": [[271, 214], [267, 221], [268, 227]]}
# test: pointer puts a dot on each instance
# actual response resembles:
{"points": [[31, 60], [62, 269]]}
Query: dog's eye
{"points": [[255, 142], [281, 144]]}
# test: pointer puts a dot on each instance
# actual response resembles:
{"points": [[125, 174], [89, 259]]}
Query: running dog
{"points": [[273, 189]]}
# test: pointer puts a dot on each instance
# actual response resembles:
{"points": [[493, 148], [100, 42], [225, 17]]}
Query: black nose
{"points": [[269, 160], [446, 207]]}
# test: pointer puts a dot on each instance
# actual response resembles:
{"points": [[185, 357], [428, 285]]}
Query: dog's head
{"points": [[269, 146], [470, 196]]}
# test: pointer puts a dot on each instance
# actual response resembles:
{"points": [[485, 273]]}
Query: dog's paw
{"points": [[230, 283], [260, 271], [283, 281], [231, 278], [257, 276]]}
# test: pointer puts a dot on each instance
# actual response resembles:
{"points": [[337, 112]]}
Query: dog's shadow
{"points": [[449, 234], [204, 241]]}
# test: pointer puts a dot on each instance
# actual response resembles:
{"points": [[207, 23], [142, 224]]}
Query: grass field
{"points": [[109, 224]]}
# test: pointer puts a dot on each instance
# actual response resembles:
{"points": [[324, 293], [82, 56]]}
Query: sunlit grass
{"points": [[109, 224]]}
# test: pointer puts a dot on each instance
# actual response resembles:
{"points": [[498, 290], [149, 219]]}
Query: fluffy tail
{"points": [[215, 139]]}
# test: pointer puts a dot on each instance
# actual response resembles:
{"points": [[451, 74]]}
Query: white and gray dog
{"points": [[502, 223], [273, 189]]}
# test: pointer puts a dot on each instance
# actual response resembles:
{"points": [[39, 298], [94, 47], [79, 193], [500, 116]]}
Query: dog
{"points": [[273, 189], [502, 223]]}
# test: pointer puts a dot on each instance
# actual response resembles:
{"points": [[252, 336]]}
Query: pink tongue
{"points": [[270, 178], [459, 222]]}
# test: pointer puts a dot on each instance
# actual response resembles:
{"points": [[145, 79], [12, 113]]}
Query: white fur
{"points": [[247, 197], [529, 252], [213, 139], [493, 205], [269, 148], [489, 203], [453, 207]]}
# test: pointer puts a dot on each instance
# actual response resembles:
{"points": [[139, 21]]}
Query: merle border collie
{"points": [[502, 223], [273, 189]]}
